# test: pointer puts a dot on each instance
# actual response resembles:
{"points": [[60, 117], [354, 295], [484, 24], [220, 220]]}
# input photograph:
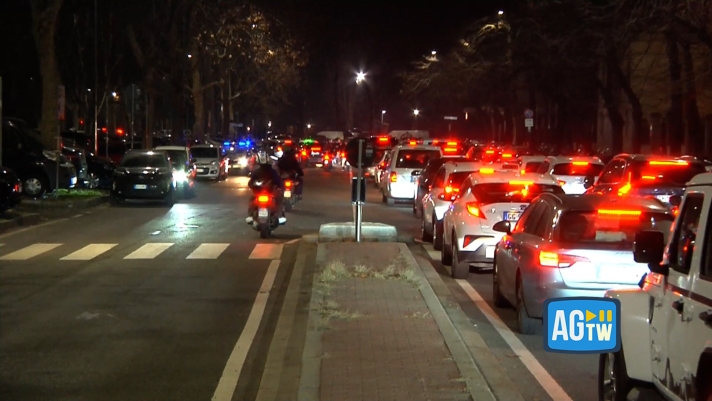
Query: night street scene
{"points": [[312, 200]]}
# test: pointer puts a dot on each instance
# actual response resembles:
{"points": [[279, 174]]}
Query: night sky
{"points": [[381, 38]]}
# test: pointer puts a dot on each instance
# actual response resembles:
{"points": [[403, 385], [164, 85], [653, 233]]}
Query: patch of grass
{"points": [[329, 310], [388, 273], [362, 271], [70, 193], [334, 271]]}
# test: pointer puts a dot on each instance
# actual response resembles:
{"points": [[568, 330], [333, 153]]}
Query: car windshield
{"points": [[532, 167], [205, 153], [144, 160], [652, 175], [512, 192], [416, 159], [584, 169], [614, 229], [178, 157]]}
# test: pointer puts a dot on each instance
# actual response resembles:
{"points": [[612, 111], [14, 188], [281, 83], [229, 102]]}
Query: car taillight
{"points": [[450, 150], [452, 143], [263, 199], [506, 155], [326, 157], [382, 166], [624, 189], [304, 152], [412, 143], [474, 209], [675, 210], [562, 183], [16, 188], [554, 259], [580, 163], [519, 182], [288, 184], [668, 163], [486, 171], [449, 194], [490, 152], [394, 176]]}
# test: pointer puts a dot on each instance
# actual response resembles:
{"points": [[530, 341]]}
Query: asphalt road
{"points": [[148, 302]]}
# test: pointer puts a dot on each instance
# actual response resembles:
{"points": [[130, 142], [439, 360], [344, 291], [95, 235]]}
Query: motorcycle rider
{"points": [[264, 172], [289, 164]]}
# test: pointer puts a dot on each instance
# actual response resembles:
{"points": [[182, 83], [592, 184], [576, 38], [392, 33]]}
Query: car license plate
{"points": [[140, 186], [263, 212], [664, 198], [489, 252], [202, 170], [511, 216], [287, 194]]}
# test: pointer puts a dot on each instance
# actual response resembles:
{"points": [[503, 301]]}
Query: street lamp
{"points": [[500, 12], [308, 126], [190, 56], [269, 124], [416, 112], [383, 113], [433, 52], [360, 77]]}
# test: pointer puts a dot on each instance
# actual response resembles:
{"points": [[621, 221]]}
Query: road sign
{"points": [[355, 193], [451, 118], [61, 101], [528, 122], [528, 113], [367, 153]]}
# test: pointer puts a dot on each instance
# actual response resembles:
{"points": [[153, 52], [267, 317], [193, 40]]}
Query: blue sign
{"points": [[582, 325]]}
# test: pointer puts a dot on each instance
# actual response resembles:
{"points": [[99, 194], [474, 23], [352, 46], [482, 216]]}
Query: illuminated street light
{"points": [[500, 12], [308, 126], [433, 52], [113, 94], [360, 77], [269, 124], [416, 112], [383, 113], [190, 56]]}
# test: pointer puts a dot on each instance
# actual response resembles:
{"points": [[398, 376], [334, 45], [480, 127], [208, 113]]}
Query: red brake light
{"points": [[553, 259], [304, 152], [668, 163], [119, 131], [506, 155], [316, 149], [288, 184], [412, 143], [435, 141], [562, 183], [580, 163], [649, 177], [490, 152], [326, 157], [450, 150], [383, 139], [486, 171], [449, 189], [618, 213], [675, 210], [288, 142], [452, 144], [263, 199], [519, 182], [474, 209], [394, 176]]}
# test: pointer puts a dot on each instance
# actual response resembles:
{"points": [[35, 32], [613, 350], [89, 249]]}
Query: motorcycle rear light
{"points": [[263, 199], [474, 209], [326, 157], [394, 177], [304, 152], [288, 184], [553, 259]]}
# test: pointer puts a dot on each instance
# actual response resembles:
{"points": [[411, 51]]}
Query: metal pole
{"points": [[96, 85], [359, 205], [133, 108], [0, 121]]}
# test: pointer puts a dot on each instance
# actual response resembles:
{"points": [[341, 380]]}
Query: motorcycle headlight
{"points": [[180, 176], [51, 155]]}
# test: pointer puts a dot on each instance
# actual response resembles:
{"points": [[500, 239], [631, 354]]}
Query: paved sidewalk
{"points": [[372, 335]]}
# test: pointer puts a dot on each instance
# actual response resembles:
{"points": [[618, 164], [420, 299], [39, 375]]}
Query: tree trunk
{"points": [[695, 135], [198, 105], [675, 123], [150, 107], [44, 24], [623, 82], [614, 116]]}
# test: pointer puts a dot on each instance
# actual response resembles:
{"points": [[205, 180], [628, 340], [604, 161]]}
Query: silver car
{"points": [[571, 246]]}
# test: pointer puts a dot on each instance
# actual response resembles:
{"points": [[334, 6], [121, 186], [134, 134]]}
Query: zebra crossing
{"points": [[147, 251]]}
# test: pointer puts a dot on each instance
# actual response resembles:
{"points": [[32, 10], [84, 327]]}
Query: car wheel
{"points": [[525, 324], [415, 210], [384, 199], [35, 185], [446, 254], [390, 201], [170, 200], [459, 268], [613, 381], [424, 234], [437, 234], [92, 181], [499, 300]]}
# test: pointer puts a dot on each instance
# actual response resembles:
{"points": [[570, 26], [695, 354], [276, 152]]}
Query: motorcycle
{"points": [[327, 162], [290, 192], [265, 217]]}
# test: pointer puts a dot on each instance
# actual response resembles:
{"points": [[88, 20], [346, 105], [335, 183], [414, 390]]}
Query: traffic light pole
{"points": [[359, 204]]}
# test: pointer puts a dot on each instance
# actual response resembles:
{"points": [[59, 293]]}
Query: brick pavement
{"points": [[379, 340]]}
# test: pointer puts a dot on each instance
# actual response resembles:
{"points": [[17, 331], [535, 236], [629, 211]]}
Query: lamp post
{"points": [[416, 113], [383, 113]]}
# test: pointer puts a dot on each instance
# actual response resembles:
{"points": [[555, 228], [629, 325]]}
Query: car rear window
{"points": [[144, 160], [646, 174], [584, 169], [413, 158], [532, 167], [591, 228], [506, 192], [456, 179]]}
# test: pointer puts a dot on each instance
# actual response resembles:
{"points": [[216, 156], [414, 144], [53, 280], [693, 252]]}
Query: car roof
{"points": [[701, 179], [145, 152], [504, 176], [531, 158], [595, 201], [453, 166], [171, 147], [204, 147], [417, 147], [567, 159]]}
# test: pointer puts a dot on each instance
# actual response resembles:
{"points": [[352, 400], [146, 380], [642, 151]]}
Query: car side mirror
{"points": [[676, 200], [502, 227], [588, 181], [648, 248]]}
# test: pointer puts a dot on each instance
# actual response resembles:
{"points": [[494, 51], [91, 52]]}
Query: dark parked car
{"points": [[37, 166], [101, 171], [144, 175], [10, 189]]}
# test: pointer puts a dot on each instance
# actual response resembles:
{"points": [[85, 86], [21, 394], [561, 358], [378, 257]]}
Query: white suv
{"points": [[571, 172], [485, 198], [398, 181], [666, 325]]}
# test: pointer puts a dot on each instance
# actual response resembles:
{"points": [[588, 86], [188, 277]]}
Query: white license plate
{"points": [[489, 252], [263, 213], [511, 216], [664, 198], [202, 170], [140, 186], [287, 194]]}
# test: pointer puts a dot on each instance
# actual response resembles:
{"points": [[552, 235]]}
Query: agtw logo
{"points": [[582, 325]]}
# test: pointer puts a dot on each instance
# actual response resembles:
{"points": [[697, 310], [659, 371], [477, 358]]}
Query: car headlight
{"points": [[180, 176], [51, 155], [214, 163], [242, 162]]}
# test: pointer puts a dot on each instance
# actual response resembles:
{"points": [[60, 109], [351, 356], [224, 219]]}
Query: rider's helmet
{"points": [[262, 157]]}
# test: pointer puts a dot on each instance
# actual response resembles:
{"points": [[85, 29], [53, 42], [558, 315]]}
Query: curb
{"points": [[476, 382], [309, 380], [71, 204], [500, 383], [19, 220]]}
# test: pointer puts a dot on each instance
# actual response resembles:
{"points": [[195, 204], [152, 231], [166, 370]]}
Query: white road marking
{"points": [[267, 251], [537, 370], [149, 251], [208, 251], [294, 241], [435, 255], [89, 252], [233, 368], [29, 251]]}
